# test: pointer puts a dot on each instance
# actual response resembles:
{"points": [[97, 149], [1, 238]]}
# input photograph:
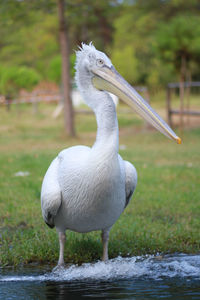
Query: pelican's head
{"points": [[88, 58], [94, 68]]}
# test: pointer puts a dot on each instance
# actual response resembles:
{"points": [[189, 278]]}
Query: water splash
{"points": [[149, 266]]}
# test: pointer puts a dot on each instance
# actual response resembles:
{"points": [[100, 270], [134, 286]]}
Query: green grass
{"points": [[163, 215]]}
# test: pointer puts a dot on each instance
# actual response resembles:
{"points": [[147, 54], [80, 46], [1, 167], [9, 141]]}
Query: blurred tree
{"points": [[29, 29], [91, 20], [126, 63], [127, 30], [134, 29], [54, 70], [66, 82], [178, 43], [12, 79]]}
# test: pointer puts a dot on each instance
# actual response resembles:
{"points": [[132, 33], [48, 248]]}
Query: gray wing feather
{"points": [[131, 181], [51, 194]]}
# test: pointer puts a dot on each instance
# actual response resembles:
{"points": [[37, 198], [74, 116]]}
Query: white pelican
{"points": [[87, 189]]}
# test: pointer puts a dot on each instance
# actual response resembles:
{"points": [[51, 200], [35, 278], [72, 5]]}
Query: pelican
{"points": [[86, 189]]}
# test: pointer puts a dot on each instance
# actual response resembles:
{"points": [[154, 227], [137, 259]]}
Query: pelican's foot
{"points": [[105, 258], [59, 267]]}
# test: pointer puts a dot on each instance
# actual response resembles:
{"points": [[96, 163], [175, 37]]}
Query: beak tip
{"points": [[178, 140]]}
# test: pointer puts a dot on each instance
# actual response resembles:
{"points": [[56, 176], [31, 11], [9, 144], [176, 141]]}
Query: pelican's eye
{"points": [[100, 62]]}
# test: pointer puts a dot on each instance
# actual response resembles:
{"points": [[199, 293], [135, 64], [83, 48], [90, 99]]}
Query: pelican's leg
{"points": [[62, 239], [105, 238]]}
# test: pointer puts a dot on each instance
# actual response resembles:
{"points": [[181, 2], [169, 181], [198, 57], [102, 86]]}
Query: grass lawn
{"points": [[163, 216]]}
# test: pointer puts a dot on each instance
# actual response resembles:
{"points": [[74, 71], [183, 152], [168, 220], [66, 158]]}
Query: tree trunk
{"points": [[189, 80], [181, 88], [84, 31], [168, 101], [68, 108], [105, 30]]}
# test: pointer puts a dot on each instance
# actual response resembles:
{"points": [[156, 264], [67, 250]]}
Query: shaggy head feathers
{"points": [[87, 60], [90, 53], [83, 51]]}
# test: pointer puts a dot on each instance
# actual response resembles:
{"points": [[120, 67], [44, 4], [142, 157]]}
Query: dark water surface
{"points": [[146, 277]]}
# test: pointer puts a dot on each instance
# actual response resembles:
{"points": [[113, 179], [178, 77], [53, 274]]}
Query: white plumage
{"points": [[87, 189]]}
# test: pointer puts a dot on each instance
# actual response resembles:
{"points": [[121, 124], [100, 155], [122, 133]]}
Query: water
{"points": [[145, 277]]}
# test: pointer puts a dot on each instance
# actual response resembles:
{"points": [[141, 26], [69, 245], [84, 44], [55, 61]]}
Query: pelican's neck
{"points": [[107, 139]]}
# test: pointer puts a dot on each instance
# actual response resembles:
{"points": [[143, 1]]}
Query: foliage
{"points": [[127, 68], [29, 32], [133, 29], [91, 21], [159, 32], [145, 38], [13, 78], [180, 37], [54, 70]]}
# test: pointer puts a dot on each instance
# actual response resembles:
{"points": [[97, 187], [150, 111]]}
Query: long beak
{"points": [[109, 79]]}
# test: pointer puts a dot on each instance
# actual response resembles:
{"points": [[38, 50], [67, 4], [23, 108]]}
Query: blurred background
{"points": [[155, 45], [152, 43]]}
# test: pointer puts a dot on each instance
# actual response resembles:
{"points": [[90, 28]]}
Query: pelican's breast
{"points": [[93, 190]]}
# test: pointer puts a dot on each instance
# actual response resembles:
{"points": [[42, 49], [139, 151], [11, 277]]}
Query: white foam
{"points": [[122, 268]]}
